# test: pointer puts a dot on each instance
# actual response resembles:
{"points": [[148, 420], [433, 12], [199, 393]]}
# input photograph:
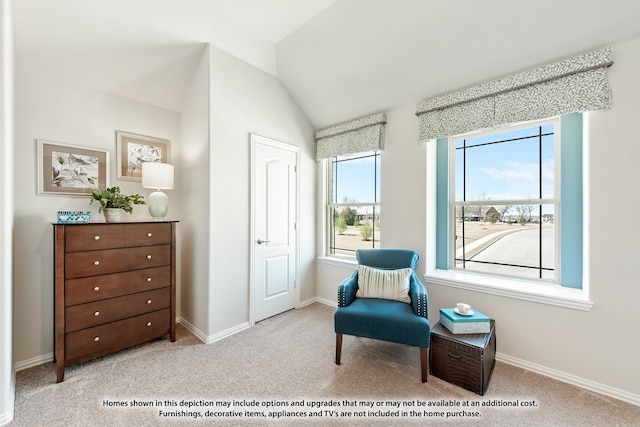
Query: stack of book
{"points": [[474, 323]]}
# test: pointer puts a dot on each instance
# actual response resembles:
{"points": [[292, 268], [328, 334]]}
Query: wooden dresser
{"points": [[115, 287]]}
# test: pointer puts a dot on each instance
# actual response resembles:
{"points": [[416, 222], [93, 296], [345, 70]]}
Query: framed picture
{"points": [[70, 170], [133, 150]]}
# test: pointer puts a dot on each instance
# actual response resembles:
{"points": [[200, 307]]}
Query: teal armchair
{"points": [[384, 319]]}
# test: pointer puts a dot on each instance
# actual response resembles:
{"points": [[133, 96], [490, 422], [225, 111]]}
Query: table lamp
{"points": [[158, 176]]}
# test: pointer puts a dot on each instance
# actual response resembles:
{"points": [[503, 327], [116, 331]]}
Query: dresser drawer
{"points": [[93, 288], [115, 287], [91, 314], [93, 263], [100, 340], [93, 237], [146, 234]]}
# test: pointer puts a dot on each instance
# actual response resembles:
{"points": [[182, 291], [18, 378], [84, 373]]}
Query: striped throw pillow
{"points": [[383, 284]]}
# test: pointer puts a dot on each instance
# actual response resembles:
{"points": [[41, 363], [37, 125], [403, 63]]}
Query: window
{"points": [[503, 202], [509, 202], [354, 203]]}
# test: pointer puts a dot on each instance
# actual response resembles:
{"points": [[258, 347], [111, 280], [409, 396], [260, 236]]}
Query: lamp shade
{"points": [[157, 175]]}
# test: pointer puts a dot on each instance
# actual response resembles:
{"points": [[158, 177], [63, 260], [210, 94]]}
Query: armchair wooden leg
{"points": [[338, 348], [424, 363]]}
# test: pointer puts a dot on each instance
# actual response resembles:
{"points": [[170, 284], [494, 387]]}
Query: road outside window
{"points": [[504, 204]]}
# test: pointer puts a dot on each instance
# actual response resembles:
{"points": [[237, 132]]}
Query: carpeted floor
{"points": [[282, 372]]}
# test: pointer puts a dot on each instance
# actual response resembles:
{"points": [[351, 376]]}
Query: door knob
{"points": [[260, 241]]}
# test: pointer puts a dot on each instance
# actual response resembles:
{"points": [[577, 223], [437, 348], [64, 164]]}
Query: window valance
{"points": [[356, 136], [573, 85]]}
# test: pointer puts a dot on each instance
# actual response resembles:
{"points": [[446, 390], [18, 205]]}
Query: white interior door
{"points": [[274, 212]]}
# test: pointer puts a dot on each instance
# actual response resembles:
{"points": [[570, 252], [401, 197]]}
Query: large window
{"points": [[354, 203], [504, 205], [510, 202]]}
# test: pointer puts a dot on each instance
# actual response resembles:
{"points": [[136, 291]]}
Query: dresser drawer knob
{"points": [[96, 339], [148, 301], [148, 256], [97, 313], [149, 234], [96, 262], [96, 288], [148, 279], [96, 237], [148, 324]]}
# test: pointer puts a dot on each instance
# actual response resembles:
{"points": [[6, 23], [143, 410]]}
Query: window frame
{"points": [[330, 205], [439, 273], [555, 200]]}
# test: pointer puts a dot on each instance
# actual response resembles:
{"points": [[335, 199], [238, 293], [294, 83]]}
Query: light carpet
{"points": [[261, 375]]}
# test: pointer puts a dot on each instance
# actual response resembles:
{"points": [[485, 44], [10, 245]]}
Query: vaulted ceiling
{"points": [[339, 59]]}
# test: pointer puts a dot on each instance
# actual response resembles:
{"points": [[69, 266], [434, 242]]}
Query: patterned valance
{"points": [[573, 85], [356, 136]]}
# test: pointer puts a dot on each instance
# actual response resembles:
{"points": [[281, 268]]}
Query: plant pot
{"points": [[114, 214]]}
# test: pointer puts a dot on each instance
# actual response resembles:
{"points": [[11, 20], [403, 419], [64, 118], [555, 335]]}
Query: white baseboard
{"points": [[307, 302], [195, 331], [318, 300], [34, 361], [606, 390], [7, 417], [208, 339], [227, 333]]}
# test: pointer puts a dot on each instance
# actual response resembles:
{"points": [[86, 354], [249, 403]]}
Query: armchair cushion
{"points": [[384, 320], [384, 284]]}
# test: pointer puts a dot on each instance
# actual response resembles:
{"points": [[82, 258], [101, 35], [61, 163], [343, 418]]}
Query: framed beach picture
{"points": [[133, 150], [71, 170]]}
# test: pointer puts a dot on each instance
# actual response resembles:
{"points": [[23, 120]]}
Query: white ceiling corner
{"points": [[272, 20]]}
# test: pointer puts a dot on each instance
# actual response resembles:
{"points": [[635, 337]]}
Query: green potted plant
{"points": [[114, 204]]}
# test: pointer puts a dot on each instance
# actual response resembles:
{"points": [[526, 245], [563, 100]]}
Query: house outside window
{"points": [[510, 202], [504, 189], [354, 203]]}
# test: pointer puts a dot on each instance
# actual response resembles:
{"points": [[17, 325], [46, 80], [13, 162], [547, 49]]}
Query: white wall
{"points": [[7, 382], [211, 198], [246, 100], [402, 177], [57, 111], [194, 225], [597, 348]]}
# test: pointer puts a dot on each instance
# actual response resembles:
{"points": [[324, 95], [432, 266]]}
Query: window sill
{"points": [[346, 262], [576, 299]]}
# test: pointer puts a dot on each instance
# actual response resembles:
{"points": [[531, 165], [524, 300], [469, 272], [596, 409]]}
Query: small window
{"points": [[354, 203]]}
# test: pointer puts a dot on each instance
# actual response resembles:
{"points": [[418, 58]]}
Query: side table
{"points": [[466, 360]]}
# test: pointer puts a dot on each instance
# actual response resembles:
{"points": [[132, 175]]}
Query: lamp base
{"points": [[158, 205]]}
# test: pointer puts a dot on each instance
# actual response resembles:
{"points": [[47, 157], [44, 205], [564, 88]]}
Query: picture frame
{"points": [[70, 170], [133, 149]]}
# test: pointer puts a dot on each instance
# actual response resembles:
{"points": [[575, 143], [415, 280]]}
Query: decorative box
{"points": [[74, 216], [477, 323], [466, 360]]}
